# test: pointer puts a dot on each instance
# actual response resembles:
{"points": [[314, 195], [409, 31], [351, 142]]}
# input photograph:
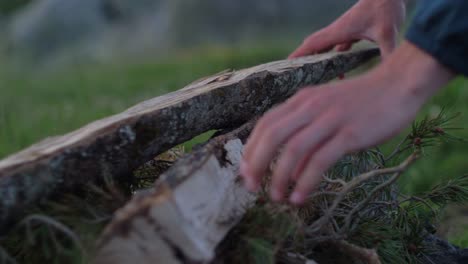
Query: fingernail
{"points": [[296, 198], [276, 195]]}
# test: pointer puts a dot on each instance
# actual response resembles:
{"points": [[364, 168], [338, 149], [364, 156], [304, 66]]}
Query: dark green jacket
{"points": [[440, 27]]}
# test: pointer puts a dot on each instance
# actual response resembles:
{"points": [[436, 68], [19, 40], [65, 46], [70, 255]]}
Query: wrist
{"points": [[414, 72]]}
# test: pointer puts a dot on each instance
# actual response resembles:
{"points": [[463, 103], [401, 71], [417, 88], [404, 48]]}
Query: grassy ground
{"points": [[38, 103]]}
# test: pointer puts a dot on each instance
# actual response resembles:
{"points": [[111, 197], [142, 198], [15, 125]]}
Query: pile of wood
{"points": [[193, 205]]}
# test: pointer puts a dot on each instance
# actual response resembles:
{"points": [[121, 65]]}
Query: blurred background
{"points": [[64, 63], [103, 28]]}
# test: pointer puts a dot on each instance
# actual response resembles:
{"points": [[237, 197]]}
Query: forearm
{"points": [[440, 28], [415, 72]]}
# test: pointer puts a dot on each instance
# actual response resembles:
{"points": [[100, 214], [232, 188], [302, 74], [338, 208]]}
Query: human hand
{"points": [[378, 21], [319, 125]]}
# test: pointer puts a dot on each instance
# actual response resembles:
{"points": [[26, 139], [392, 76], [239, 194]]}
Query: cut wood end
{"points": [[194, 216]]}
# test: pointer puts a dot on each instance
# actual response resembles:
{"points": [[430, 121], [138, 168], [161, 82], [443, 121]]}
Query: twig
{"points": [[397, 150], [369, 256], [333, 181], [316, 194], [317, 225], [376, 190]]}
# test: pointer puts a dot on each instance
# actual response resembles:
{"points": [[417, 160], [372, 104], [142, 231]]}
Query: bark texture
{"points": [[191, 209], [115, 146]]}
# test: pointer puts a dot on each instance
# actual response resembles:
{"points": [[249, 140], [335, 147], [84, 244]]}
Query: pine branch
{"points": [[454, 191], [368, 199], [355, 182]]}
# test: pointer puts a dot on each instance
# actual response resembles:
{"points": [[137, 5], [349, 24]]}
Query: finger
{"points": [[274, 115], [321, 41], [271, 117], [303, 143], [295, 174], [344, 47], [267, 139], [319, 162]]}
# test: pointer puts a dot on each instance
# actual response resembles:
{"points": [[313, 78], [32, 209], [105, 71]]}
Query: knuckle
{"points": [[349, 134], [255, 170], [320, 164], [348, 138], [264, 123], [294, 149], [316, 102], [270, 134]]}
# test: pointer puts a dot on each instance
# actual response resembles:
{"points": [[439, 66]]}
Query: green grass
{"points": [[461, 239], [38, 104], [35, 104]]}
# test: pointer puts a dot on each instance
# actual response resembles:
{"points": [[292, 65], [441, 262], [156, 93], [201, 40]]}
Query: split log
{"points": [[115, 146], [187, 214]]}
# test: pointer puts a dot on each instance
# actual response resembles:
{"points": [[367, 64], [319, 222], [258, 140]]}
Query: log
{"points": [[188, 213], [117, 145]]}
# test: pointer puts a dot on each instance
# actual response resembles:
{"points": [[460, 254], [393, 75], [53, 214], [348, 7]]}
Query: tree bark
{"points": [[115, 146], [191, 209]]}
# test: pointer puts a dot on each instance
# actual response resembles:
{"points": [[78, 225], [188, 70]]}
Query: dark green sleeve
{"points": [[440, 27]]}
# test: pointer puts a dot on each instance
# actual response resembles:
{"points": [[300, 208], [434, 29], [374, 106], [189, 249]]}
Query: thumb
{"points": [[345, 46], [387, 44], [321, 41]]}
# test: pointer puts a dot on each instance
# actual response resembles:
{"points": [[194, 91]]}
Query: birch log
{"points": [[190, 211], [116, 145]]}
